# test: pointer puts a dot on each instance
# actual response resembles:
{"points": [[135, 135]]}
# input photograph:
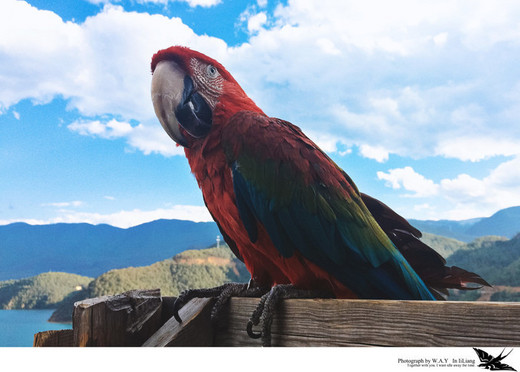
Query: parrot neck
{"points": [[206, 156], [229, 104], [208, 161]]}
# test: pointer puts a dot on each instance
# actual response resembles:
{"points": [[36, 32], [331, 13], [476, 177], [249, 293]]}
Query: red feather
{"points": [[209, 164]]}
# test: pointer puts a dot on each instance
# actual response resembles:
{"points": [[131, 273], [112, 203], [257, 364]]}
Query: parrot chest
{"points": [[215, 180], [263, 261]]}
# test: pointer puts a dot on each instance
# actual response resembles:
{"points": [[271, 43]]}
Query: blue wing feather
{"points": [[339, 235]]}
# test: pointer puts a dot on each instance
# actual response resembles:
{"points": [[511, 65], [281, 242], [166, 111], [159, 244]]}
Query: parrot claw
{"points": [[267, 306], [250, 331], [264, 311], [223, 293]]}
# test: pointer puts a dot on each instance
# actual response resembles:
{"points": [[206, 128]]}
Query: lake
{"points": [[17, 327]]}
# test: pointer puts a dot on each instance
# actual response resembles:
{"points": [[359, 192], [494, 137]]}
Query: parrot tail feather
{"points": [[427, 263]]}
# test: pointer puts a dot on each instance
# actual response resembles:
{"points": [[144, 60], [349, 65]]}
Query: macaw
{"points": [[292, 215]]}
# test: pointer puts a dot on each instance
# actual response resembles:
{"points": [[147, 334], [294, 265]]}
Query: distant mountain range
{"points": [[90, 250], [141, 257], [494, 258], [505, 222]]}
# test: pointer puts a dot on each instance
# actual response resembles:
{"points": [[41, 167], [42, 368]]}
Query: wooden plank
{"points": [[195, 329], [127, 319], [167, 308], [330, 322], [64, 337]]}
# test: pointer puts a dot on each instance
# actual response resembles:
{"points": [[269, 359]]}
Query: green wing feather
{"points": [[306, 203]]}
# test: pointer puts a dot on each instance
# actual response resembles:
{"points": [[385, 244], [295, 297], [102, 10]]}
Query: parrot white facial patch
{"points": [[209, 87]]}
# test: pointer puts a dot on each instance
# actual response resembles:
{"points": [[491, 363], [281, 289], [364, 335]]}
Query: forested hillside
{"points": [[189, 269], [496, 259], [44, 291], [444, 246], [505, 222], [90, 250]]}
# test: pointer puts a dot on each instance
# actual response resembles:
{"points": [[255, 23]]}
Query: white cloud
{"points": [[134, 217], [475, 148], [148, 139], [499, 189], [464, 187], [191, 3], [406, 81], [110, 130], [124, 218], [102, 65], [409, 180], [151, 139], [464, 196], [377, 153], [327, 46], [16, 115], [75, 203], [438, 79], [256, 22], [440, 39], [326, 141]]}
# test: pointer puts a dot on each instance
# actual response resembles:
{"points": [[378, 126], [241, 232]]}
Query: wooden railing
{"points": [[144, 318]]}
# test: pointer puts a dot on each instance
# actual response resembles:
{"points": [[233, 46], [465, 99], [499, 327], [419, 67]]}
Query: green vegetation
{"points": [[42, 291], [486, 242], [63, 313], [495, 259], [444, 246], [189, 269], [506, 296], [457, 295]]}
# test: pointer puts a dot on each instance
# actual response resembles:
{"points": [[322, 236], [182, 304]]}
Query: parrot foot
{"points": [[223, 294], [267, 306]]}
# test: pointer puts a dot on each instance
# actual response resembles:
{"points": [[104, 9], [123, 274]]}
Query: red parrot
{"points": [[284, 207]]}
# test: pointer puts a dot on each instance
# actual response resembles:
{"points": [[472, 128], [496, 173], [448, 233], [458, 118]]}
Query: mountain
{"points": [[505, 222], [43, 291], [444, 246], [90, 250], [495, 259], [189, 269]]}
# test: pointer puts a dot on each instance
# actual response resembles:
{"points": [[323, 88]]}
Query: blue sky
{"points": [[418, 101]]}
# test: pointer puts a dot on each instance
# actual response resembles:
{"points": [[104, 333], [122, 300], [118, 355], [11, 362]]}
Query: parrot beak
{"points": [[177, 104]]}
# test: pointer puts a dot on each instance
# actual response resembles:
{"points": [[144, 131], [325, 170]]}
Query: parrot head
{"points": [[192, 93]]}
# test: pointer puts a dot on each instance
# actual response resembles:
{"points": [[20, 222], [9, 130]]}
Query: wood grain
{"points": [[127, 319], [64, 337], [331, 322], [195, 329]]}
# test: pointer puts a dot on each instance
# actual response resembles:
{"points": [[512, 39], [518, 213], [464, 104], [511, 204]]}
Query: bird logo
{"points": [[493, 363]]}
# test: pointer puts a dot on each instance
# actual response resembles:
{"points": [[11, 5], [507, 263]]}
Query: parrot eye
{"points": [[212, 71]]}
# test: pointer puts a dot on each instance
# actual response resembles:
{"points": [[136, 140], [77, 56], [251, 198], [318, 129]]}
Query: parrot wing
{"points": [[427, 263], [230, 242], [307, 204]]}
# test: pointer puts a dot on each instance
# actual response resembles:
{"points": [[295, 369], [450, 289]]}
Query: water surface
{"points": [[17, 327]]}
